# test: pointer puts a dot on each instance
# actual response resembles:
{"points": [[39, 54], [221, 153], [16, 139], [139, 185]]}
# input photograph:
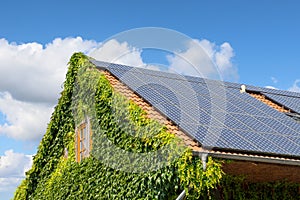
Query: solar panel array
{"points": [[274, 91], [292, 103], [214, 113], [288, 99]]}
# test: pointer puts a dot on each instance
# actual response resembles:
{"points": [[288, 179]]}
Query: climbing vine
{"points": [[200, 181], [123, 125]]}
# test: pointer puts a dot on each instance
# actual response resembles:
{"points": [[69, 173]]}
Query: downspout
{"points": [[204, 160], [181, 196]]}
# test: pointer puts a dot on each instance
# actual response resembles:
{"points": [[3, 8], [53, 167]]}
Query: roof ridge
{"points": [[198, 79]]}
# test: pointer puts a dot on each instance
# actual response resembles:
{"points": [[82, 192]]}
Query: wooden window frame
{"points": [[83, 140]]}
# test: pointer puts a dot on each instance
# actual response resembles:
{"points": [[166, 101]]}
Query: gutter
{"points": [[252, 158]]}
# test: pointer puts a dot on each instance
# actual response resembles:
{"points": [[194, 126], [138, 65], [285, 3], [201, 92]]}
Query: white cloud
{"points": [[116, 52], [271, 87], [295, 87], [12, 169], [121, 53], [206, 59], [31, 76], [31, 72], [26, 121]]}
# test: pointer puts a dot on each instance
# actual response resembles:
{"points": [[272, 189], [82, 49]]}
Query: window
{"points": [[83, 140]]}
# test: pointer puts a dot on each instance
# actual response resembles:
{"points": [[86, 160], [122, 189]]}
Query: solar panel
{"points": [[272, 91], [288, 144], [292, 103], [237, 141], [291, 124], [215, 113], [262, 143]]}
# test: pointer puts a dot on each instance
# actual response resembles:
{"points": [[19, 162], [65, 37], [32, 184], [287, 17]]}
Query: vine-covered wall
{"points": [[121, 124]]}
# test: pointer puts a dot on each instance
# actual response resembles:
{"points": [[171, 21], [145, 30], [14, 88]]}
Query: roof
{"points": [[215, 113]]}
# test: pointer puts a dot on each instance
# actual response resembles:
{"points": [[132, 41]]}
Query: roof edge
{"points": [[249, 157]]}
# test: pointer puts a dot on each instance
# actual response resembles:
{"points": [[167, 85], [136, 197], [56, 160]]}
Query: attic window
{"points": [[83, 140], [275, 105]]}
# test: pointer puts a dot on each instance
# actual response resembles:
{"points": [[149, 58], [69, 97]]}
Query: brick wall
{"points": [[263, 172]]}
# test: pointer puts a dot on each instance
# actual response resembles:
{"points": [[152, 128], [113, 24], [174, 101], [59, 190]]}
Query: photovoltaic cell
{"points": [[216, 113]]}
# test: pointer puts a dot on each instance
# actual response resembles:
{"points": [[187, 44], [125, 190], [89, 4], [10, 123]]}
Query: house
{"points": [[243, 141]]}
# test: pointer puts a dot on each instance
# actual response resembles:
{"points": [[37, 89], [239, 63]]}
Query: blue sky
{"points": [[262, 35]]}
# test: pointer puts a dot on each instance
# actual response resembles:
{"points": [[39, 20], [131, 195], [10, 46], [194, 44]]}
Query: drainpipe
{"points": [[181, 196], [204, 160]]}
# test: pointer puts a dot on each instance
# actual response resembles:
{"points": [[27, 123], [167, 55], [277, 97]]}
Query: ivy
{"points": [[54, 140], [121, 127], [200, 182]]}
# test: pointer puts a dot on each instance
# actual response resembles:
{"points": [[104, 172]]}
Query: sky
{"points": [[253, 42]]}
